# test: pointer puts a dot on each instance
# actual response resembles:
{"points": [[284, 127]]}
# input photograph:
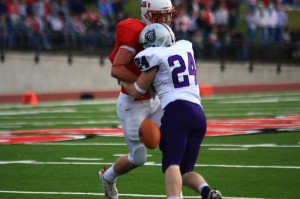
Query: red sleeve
{"points": [[128, 31]]}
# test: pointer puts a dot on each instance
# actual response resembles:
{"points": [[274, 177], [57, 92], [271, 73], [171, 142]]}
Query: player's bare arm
{"points": [[142, 84], [119, 70]]}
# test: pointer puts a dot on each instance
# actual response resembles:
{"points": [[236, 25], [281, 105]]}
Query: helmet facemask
{"points": [[157, 11]]}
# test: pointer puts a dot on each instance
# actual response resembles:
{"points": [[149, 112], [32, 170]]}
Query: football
{"points": [[149, 133]]}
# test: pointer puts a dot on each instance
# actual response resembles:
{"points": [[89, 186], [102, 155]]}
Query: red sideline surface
{"points": [[42, 97], [216, 127]]}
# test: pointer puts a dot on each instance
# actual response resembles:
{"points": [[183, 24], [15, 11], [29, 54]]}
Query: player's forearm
{"points": [[131, 90], [120, 72], [141, 85], [119, 69]]}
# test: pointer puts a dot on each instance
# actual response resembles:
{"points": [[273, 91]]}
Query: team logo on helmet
{"points": [[150, 36]]}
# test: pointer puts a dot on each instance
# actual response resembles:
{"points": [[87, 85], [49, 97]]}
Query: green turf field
{"points": [[264, 165]]}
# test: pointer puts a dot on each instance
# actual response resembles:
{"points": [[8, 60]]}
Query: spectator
{"points": [[198, 46], [192, 15], [106, 10], [251, 4], [95, 27], [41, 8], [65, 8], [262, 24], [29, 6], [213, 42], [234, 13], [22, 7], [195, 5], [120, 16], [15, 26], [118, 8], [13, 11], [78, 33], [221, 15], [57, 27], [281, 25], [237, 46], [251, 26], [232, 20], [272, 23], [34, 32], [54, 7], [3, 8], [266, 2], [205, 22], [181, 24]]}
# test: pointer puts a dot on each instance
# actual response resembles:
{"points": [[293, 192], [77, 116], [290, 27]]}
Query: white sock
{"points": [[173, 197], [202, 186], [110, 175]]}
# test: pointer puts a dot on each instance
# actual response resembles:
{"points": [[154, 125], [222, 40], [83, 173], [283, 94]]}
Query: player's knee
{"points": [[139, 155]]}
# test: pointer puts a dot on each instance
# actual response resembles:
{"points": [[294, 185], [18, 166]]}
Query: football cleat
{"points": [[109, 188], [214, 194]]}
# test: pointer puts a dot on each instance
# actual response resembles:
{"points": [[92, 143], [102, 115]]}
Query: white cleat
{"points": [[109, 188]]}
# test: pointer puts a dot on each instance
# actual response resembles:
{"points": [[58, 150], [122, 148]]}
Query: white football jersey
{"points": [[176, 75]]}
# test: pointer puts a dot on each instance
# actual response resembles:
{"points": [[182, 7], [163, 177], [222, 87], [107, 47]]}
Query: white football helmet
{"points": [[156, 35], [157, 11]]}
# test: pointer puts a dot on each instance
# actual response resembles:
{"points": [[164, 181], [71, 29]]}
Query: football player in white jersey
{"points": [[170, 67]]}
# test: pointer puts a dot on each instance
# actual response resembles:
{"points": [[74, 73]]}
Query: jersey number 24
{"points": [[181, 69], [179, 77]]}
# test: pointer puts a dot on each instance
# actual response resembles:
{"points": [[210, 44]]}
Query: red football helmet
{"points": [[157, 11]]}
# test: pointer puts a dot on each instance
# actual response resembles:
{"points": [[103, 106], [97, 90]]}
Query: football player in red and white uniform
{"points": [[132, 111]]}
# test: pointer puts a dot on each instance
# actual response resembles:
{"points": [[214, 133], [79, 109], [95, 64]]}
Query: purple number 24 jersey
{"points": [[183, 123], [176, 76]]}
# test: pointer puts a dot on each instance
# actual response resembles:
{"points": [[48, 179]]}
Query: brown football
{"points": [[149, 133]]}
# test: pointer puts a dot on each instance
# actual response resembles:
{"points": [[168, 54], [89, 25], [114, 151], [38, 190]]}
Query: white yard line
{"points": [[263, 145], [33, 162], [83, 159], [100, 194], [227, 149]]}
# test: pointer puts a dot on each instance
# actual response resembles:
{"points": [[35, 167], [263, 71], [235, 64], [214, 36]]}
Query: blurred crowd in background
{"points": [[89, 24], [52, 24], [213, 24]]}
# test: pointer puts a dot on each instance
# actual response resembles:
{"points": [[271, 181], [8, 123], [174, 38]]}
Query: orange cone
{"points": [[29, 98], [207, 90]]}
